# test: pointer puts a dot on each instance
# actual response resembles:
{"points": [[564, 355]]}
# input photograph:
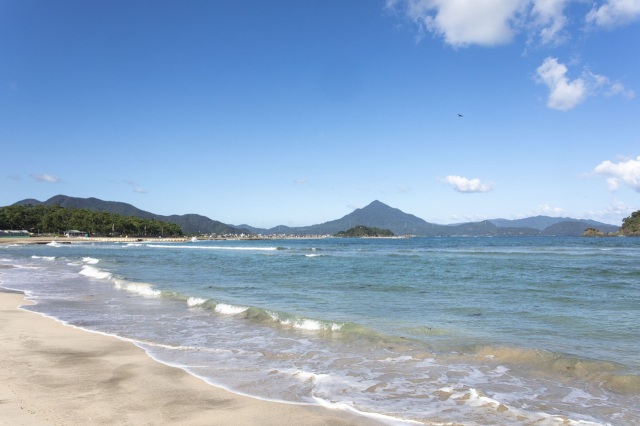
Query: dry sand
{"points": [[53, 374]]}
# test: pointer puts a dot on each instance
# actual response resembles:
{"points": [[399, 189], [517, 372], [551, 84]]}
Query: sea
{"points": [[436, 331]]}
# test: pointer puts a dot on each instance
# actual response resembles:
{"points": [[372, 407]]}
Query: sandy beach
{"points": [[53, 374]]}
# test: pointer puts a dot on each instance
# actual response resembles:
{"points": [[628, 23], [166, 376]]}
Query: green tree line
{"points": [[56, 220]]}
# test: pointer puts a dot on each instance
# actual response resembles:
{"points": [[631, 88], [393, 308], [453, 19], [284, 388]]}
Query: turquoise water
{"points": [[479, 331]]}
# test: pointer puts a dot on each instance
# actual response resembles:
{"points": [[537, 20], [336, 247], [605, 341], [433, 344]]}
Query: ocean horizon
{"points": [[474, 331]]}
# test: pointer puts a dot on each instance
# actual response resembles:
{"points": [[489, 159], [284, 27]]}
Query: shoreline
{"points": [[73, 240], [52, 373]]}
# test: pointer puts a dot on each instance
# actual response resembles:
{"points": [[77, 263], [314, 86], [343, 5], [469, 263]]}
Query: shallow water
{"points": [[434, 330]]}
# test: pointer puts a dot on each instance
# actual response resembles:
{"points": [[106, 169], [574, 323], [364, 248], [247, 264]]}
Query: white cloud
{"points": [[486, 22], [563, 93], [626, 172], [612, 214], [464, 22], [613, 13], [136, 188], [462, 184], [618, 89], [461, 23], [494, 22], [547, 210], [45, 178], [549, 20]]}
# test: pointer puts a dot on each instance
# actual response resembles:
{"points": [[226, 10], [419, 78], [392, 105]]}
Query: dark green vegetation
{"points": [[631, 225], [593, 232], [189, 223], [376, 214], [43, 219], [365, 231], [630, 228]]}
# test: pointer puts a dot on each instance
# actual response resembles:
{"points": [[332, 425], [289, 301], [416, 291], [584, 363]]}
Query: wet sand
{"points": [[53, 374]]}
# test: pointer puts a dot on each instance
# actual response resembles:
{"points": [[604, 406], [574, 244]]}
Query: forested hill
{"points": [[189, 223], [631, 225], [43, 219]]}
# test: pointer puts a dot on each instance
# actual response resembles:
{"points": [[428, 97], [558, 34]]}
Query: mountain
{"points": [[575, 227], [375, 215], [380, 215], [544, 222], [189, 223]]}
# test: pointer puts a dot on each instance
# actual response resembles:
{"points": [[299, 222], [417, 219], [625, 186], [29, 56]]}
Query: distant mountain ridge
{"points": [[542, 222], [376, 214], [189, 223], [380, 215]]}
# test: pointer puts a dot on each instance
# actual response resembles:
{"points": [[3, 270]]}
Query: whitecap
{"points": [[142, 289], [223, 308], [44, 257], [194, 247], [192, 302], [91, 272]]}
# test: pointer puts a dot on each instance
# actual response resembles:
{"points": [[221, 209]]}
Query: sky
{"points": [[290, 112]]}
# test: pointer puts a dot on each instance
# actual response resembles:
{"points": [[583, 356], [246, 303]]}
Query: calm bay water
{"points": [[434, 330]]}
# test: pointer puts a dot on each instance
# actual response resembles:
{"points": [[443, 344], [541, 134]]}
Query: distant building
{"points": [[74, 233]]}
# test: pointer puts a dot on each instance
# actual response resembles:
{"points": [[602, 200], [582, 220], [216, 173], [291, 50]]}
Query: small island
{"points": [[630, 228], [361, 231]]}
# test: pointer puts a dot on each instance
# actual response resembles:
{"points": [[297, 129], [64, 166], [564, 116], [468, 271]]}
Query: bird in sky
{"points": [[459, 115]]}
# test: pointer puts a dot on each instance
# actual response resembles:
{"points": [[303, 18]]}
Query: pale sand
{"points": [[53, 374]]}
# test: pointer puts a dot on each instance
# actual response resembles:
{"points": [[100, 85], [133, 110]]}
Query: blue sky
{"points": [[297, 112]]}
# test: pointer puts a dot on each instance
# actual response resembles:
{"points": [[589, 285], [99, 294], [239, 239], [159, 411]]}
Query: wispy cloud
{"points": [[300, 181], [462, 184], [614, 13], [545, 23], [625, 172], [566, 94], [547, 210], [14, 177], [45, 178], [461, 23], [548, 22], [613, 213], [136, 188]]}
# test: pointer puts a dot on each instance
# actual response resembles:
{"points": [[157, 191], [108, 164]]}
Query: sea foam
{"points": [[44, 257], [192, 302], [223, 308], [195, 247], [142, 289], [305, 323], [91, 272]]}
